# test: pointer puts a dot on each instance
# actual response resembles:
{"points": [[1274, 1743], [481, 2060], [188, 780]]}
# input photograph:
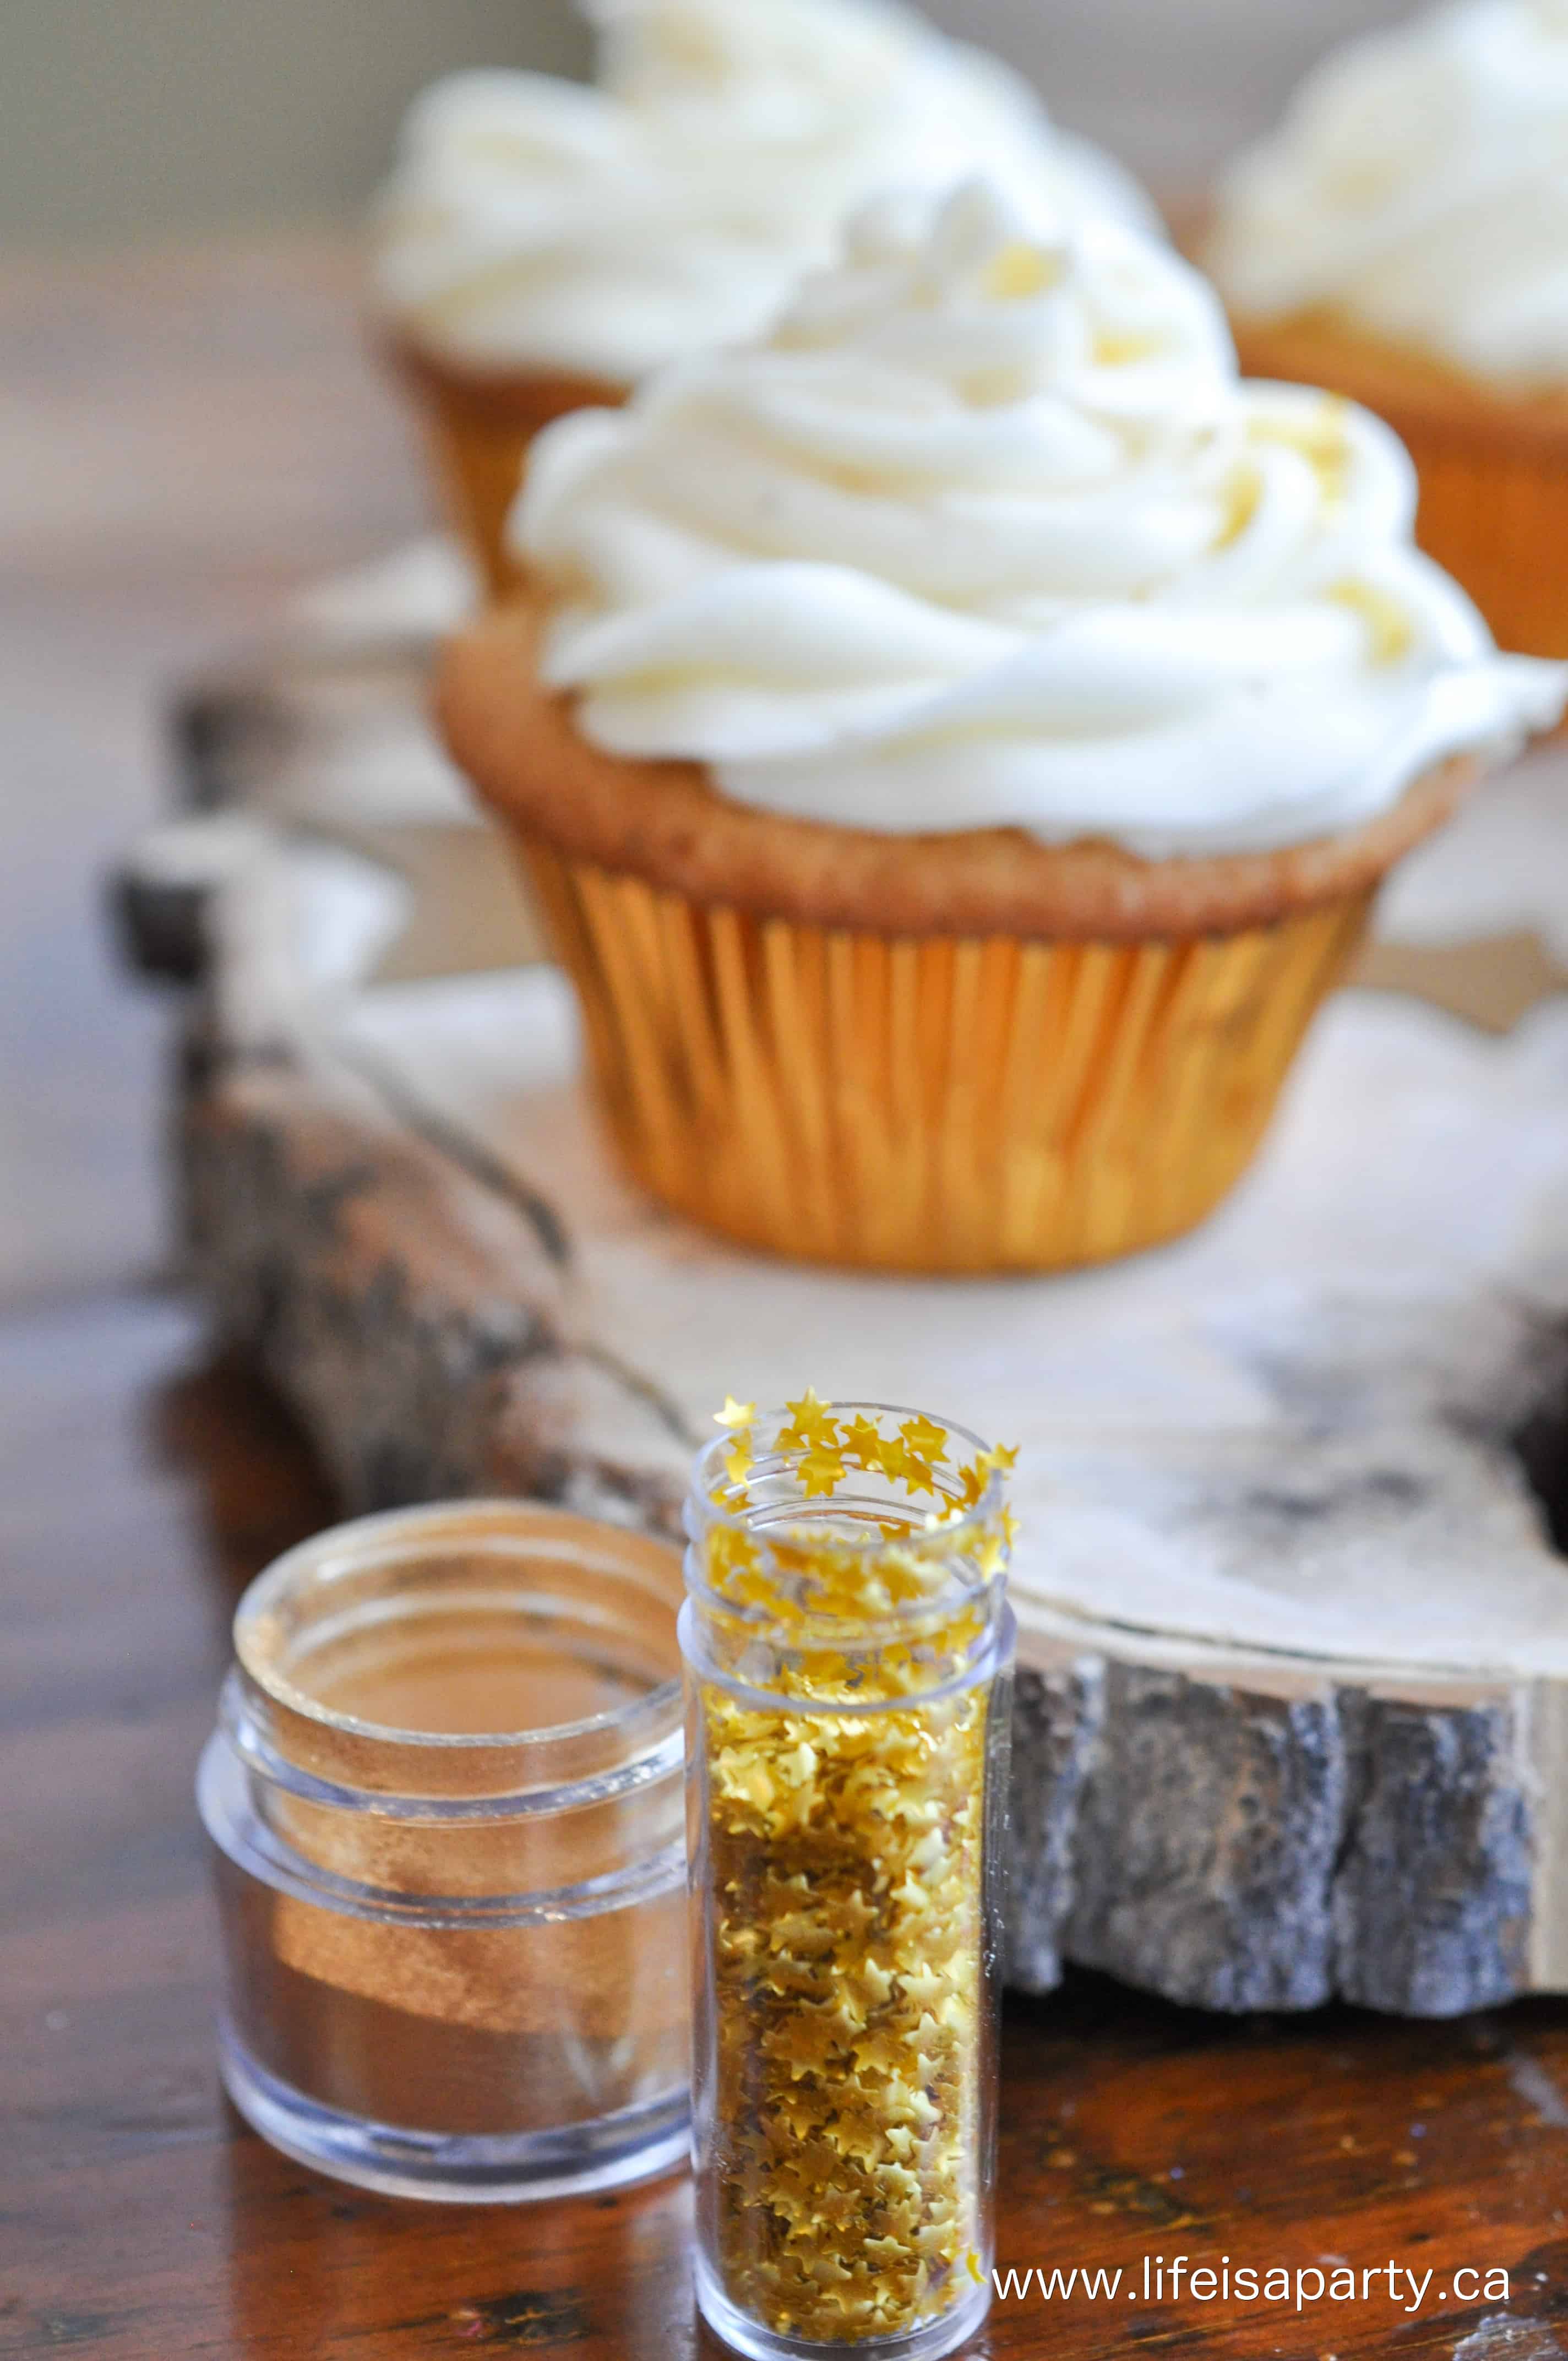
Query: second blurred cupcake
{"points": [[958, 740], [1403, 238], [541, 245]]}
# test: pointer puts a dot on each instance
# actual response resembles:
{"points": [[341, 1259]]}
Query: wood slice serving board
{"points": [[1292, 1713]]}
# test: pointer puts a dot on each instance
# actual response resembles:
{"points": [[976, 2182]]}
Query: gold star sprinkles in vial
{"points": [[843, 1870]]}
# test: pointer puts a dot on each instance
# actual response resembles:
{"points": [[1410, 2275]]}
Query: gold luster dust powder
{"points": [[847, 1893]]}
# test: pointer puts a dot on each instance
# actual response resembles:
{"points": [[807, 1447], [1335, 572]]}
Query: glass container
{"points": [[849, 1660], [445, 1796]]}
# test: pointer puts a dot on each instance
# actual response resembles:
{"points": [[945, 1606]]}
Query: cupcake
{"points": [[956, 739], [542, 246], [1403, 238]]}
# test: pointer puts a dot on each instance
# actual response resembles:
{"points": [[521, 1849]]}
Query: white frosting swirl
{"points": [[1418, 187], [533, 223], [989, 532]]}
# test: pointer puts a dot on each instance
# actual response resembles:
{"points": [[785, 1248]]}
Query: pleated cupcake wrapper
{"points": [[1494, 513], [479, 463], [931, 1103], [479, 438]]}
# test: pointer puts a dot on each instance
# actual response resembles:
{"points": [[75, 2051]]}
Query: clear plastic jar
{"points": [[848, 1653], [445, 1796]]}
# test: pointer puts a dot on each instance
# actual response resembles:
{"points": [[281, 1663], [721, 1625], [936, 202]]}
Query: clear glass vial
{"points": [[445, 1796], [849, 1658]]}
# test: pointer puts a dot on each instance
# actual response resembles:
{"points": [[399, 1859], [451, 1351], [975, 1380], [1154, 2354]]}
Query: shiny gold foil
{"points": [[932, 1104]]}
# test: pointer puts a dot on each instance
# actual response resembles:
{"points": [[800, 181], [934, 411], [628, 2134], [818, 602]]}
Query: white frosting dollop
{"points": [[533, 223], [1418, 187], [989, 532]]}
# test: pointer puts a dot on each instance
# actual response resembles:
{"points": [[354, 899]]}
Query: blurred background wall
{"points": [[124, 118]]}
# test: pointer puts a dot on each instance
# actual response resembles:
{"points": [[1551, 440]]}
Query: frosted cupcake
{"points": [[541, 245], [1403, 237], [958, 738]]}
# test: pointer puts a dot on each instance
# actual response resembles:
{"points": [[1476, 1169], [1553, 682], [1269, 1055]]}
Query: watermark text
{"points": [[1180, 2279]]}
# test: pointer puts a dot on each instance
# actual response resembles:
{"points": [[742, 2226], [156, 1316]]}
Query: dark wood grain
{"points": [[140, 2218], [187, 436]]}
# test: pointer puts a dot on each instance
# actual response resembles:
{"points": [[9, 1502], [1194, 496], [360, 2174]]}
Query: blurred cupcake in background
{"points": [[957, 741], [541, 245], [1403, 238]]}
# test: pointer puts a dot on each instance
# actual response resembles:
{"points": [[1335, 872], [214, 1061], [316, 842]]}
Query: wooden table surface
{"points": [[195, 433]]}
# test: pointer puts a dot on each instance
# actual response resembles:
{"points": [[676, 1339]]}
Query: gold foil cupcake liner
{"points": [[478, 436], [1494, 513], [932, 1104], [478, 464]]}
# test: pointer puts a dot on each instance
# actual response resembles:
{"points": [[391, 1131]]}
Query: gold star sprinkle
{"points": [[893, 1458], [734, 1413], [918, 1474], [861, 1443], [972, 1484], [738, 1458], [926, 1439], [730, 1553], [821, 1472], [812, 1424]]}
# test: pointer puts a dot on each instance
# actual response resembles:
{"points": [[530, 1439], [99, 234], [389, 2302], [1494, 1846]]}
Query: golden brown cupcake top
{"points": [[665, 822]]}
